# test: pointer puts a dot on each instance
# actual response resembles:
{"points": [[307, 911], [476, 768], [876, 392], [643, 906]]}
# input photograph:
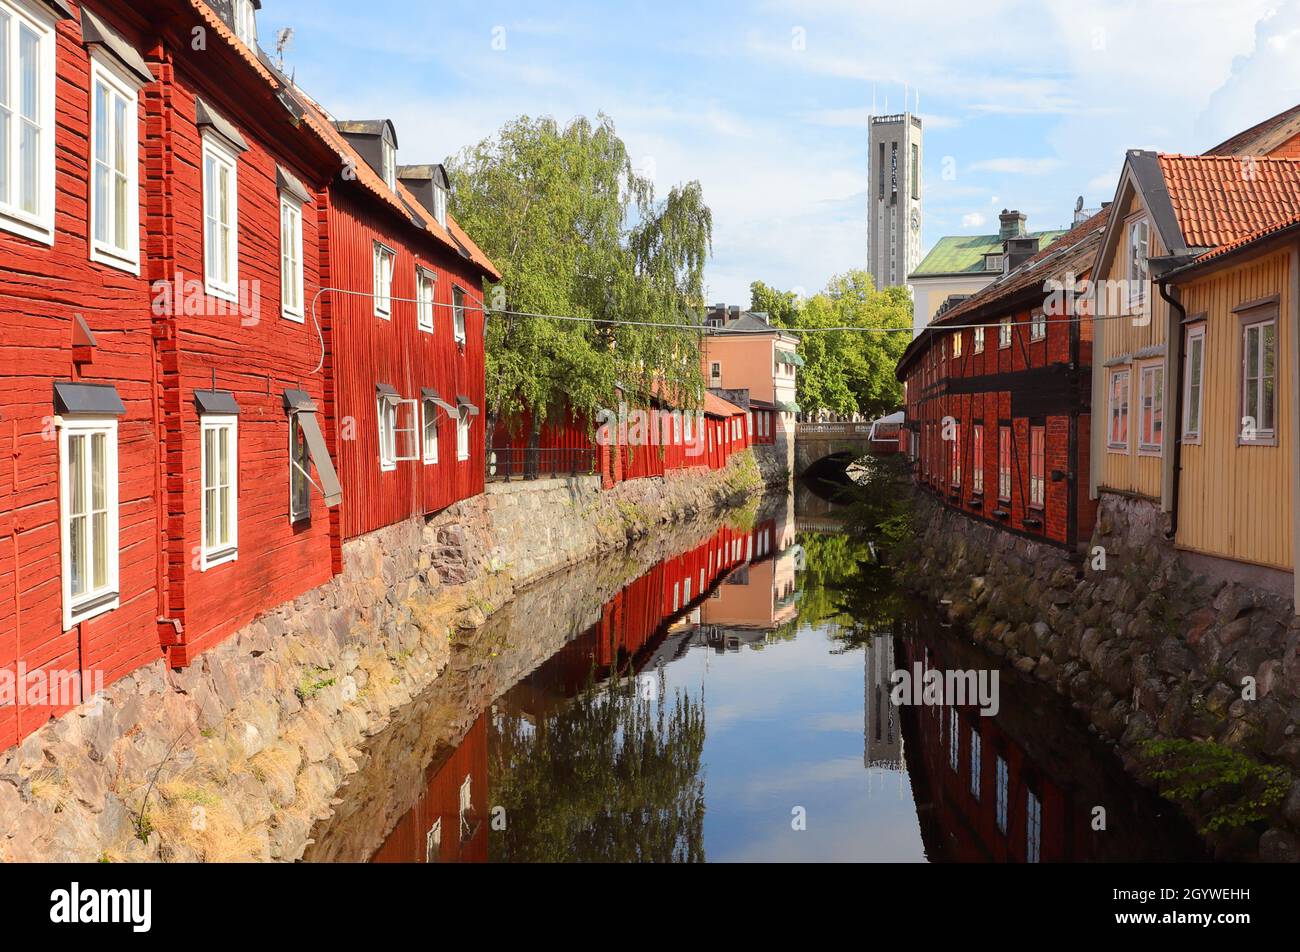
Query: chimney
{"points": [[1012, 225], [1018, 251]]}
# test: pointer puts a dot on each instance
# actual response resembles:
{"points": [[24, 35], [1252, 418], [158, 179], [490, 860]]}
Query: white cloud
{"points": [[973, 220], [1017, 166]]}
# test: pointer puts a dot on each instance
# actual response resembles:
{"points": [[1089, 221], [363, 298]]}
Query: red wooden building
{"points": [[210, 292], [997, 395]]}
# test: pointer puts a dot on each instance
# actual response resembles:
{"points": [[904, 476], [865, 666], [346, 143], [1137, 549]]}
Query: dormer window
{"points": [[440, 205], [388, 159], [246, 22]]}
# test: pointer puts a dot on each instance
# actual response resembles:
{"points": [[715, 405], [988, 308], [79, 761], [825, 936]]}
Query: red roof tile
{"points": [[1223, 199]]}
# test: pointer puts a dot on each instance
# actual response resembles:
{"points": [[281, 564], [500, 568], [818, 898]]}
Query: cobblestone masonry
{"points": [[239, 755], [1146, 648]]}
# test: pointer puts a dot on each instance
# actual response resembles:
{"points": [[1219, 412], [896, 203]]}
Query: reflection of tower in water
{"points": [[882, 739]]}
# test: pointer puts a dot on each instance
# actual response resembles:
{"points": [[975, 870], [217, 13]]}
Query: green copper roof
{"points": [[957, 254]]}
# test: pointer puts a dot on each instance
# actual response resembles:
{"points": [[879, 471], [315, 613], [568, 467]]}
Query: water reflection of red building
{"points": [[449, 823], [988, 790]]}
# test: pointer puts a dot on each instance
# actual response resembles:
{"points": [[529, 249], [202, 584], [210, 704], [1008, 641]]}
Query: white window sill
{"points": [[93, 608], [424, 329], [387, 467], [462, 459], [297, 317], [219, 292], [431, 462], [384, 315], [114, 258], [1149, 451], [25, 227], [217, 558], [1113, 448]]}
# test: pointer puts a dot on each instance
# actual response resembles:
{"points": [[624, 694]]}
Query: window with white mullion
{"points": [[425, 284], [27, 52], [430, 426], [1194, 359], [114, 177], [383, 273], [291, 269], [1259, 381], [220, 500], [221, 220], [88, 451], [458, 314], [462, 434]]}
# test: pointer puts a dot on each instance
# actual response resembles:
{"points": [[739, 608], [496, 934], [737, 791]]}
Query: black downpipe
{"points": [[1177, 391]]}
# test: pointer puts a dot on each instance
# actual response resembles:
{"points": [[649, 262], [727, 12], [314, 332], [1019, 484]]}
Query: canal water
{"points": [[723, 694]]}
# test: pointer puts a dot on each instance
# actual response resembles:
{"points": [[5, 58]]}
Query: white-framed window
{"points": [[291, 268], [426, 284], [1004, 333], [219, 502], [1259, 379], [388, 159], [399, 431], [440, 205], [1001, 800], [114, 167], [1117, 427], [429, 422], [221, 219], [458, 313], [1033, 827], [1037, 324], [433, 842], [1004, 463], [1037, 466], [89, 517], [954, 739], [1138, 274], [956, 343], [975, 752], [385, 258], [979, 340], [299, 472], [462, 434], [27, 84], [977, 458], [956, 455], [27, 52], [1151, 413], [246, 22], [1194, 381], [715, 372]]}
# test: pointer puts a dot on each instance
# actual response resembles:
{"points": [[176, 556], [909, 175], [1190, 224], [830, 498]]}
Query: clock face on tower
{"points": [[916, 220]]}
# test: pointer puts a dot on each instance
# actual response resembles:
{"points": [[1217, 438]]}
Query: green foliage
{"points": [[610, 777], [848, 371], [576, 231], [1229, 788]]}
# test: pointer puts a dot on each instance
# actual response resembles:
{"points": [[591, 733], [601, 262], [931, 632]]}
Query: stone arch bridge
{"points": [[837, 444]]}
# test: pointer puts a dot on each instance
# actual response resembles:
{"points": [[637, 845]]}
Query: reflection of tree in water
{"points": [[610, 777]]}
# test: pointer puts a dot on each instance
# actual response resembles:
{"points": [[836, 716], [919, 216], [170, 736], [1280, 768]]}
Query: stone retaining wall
{"points": [[239, 755], [1153, 645]]}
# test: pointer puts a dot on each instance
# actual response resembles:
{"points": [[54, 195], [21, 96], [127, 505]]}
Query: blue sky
{"points": [[765, 103]]}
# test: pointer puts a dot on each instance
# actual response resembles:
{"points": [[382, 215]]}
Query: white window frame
{"points": [[299, 514], [94, 601], [384, 256], [426, 294], [1033, 828], [433, 842], [1155, 371], [1124, 409], [1264, 435], [1002, 788], [388, 159], [245, 17], [1193, 389], [1004, 333], [976, 764], [979, 340], [954, 739], [956, 344], [458, 313], [119, 84], [1037, 324], [429, 419], [1137, 269], [291, 263], [1037, 480], [222, 156], [465, 805], [37, 225], [1006, 475], [977, 459], [226, 550], [462, 434], [389, 411], [440, 197]]}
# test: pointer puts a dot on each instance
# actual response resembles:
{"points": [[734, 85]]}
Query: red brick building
{"points": [[997, 395]]}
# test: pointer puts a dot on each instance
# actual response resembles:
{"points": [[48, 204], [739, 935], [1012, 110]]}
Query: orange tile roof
{"points": [[320, 123], [716, 406], [1219, 200]]}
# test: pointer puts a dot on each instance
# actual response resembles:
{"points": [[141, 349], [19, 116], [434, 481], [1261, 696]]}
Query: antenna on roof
{"points": [[283, 38], [1078, 205]]}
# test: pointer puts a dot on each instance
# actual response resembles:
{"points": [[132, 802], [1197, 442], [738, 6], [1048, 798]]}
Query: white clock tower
{"points": [[894, 198]]}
